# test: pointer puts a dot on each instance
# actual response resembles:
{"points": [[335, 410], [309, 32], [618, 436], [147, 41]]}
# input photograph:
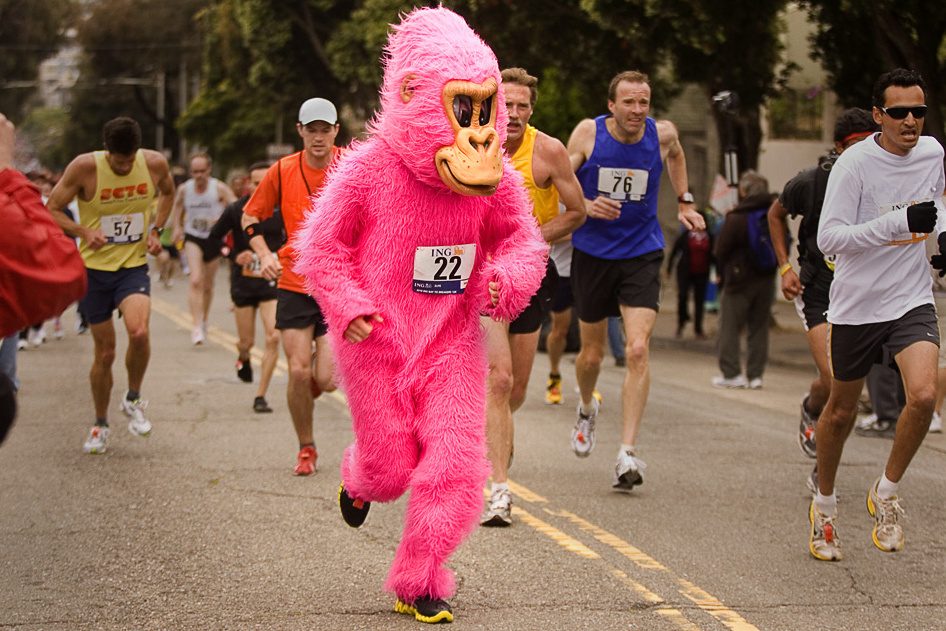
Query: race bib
{"points": [[624, 185], [254, 269], [443, 269], [121, 229], [904, 238]]}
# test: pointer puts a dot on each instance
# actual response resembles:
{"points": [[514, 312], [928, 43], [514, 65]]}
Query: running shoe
{"points": [[499, 513], [738, 381], [812, 481], [354, 512], [627, 472], [37, 336], [824, 543], [97, 442], [57, 329], [137, 423], [583, 435], [597, 396], [197, 336], [874, 427], [306, 462], [888, 533], [936, 424], [260, 406], [807, 430], [244, 370], [755, 384], [426, 609], [22, 344], [553, 392]]}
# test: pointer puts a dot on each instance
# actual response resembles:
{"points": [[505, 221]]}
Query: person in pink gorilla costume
{"points": [[417, 231]]}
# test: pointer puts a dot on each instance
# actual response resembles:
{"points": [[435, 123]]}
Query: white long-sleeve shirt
{"points": [[881, 271]]}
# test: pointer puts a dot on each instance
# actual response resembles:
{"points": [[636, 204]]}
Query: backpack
{"points": [[760, 239]]}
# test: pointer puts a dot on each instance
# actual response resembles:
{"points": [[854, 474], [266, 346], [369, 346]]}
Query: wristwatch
{"points": [[159, 229], [686, 198]]}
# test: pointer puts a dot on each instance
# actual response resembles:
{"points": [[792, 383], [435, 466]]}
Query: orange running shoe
{"points": [[306, 463]]}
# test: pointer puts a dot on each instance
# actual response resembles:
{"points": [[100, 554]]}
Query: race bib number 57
{"points": [[121, 229], [443, 269], [624, 185]]}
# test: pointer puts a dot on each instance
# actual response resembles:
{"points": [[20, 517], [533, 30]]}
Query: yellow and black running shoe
{"points": [[354, 512], [426, 609]]}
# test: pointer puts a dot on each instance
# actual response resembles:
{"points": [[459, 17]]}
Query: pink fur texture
{"points": [[417, 385]]}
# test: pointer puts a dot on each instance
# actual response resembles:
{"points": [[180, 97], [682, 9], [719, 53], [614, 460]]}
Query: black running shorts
{"points": [[298, 311], [532, 317], [209, 248], [600, 286], [854, 348], [108, 289]]}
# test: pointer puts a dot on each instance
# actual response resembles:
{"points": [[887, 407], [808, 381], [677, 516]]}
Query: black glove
{"points": [[921, 217], [938, 261]]}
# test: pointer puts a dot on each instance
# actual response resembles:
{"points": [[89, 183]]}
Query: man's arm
{"points": [[164, 182], [177, 215], [555, 161], [580, 145], [791, 286], [672, 151], [69, 187], [225, 193], [261, 203]]}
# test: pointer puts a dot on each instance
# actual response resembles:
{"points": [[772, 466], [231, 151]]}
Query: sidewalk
{"points": [[788, 345]]}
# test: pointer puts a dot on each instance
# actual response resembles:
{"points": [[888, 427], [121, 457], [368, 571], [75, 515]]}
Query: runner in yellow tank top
{"points": [[114, 189], [120, 207], [548, 175]]}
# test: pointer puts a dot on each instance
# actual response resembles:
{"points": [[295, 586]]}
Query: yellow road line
{"points": [[570, 544], [703, 599], [227, 341]]}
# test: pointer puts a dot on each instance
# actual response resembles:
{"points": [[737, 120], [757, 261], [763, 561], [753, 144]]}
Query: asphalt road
{"points": [[202, 525]]}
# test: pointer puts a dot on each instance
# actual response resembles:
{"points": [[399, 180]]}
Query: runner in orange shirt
{"points": [[289, 185]]}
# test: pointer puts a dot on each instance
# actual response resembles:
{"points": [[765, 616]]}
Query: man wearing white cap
{"points": [[289, 185]]}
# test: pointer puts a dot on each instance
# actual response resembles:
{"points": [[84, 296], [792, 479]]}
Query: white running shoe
{"points": [[37, 336], [627, 472], [97, 441], [739, 381], [936, 425], [755, 384], [500, 509], [137, 423], [22, 344], [583, 434], [197, 335]]}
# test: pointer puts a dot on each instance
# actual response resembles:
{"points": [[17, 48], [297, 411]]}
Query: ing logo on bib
{"points": [[443, 269]]}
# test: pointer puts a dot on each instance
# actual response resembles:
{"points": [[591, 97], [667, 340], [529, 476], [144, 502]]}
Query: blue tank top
{"points": [[631, 175]]}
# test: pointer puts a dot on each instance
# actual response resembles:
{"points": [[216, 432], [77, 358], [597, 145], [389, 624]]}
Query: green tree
{"points": [[30, 31], [128, 46], [858, 41]]}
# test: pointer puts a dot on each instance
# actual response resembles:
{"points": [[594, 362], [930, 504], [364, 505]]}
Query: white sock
{"points": [[826, 504], [499, 486], [589, 408], [626, 449], [886, 489]]}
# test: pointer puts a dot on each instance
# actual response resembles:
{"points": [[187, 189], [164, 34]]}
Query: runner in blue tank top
{"points": [[619, 249]]}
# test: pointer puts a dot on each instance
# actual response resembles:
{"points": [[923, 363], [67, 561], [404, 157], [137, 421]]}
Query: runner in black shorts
{"points": [[209, 249], [558, 208], [804, 196], [249, 291]]}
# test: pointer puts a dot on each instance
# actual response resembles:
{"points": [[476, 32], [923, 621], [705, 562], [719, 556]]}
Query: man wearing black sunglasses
{"points": [[880, 205]]}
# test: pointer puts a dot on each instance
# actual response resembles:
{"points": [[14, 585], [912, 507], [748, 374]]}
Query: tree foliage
{"points": [[30, 31], [128, 45], [856, 42]]}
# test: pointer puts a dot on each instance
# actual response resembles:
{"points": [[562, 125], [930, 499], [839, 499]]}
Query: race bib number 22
{"points": [[443, 269]]}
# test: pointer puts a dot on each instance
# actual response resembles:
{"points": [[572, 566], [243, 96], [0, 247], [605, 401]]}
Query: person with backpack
{"points": [[746, 262]]}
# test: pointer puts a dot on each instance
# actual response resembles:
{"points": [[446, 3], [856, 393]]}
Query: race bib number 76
{"points": [[624, 185], [443, 269]]}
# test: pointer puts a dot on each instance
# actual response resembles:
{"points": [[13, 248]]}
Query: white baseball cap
{"points": [[318, 110]]}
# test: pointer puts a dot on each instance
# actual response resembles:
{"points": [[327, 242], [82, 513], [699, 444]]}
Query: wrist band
{"points": [[784, 269]]}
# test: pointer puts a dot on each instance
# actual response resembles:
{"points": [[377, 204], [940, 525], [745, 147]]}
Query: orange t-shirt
{"points": [[299, 183]]}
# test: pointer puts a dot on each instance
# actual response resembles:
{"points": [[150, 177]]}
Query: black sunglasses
{"points": [[900, 112]]}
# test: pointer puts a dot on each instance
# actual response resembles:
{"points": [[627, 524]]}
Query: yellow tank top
{"points": [[544, 200], [121, 208]]}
